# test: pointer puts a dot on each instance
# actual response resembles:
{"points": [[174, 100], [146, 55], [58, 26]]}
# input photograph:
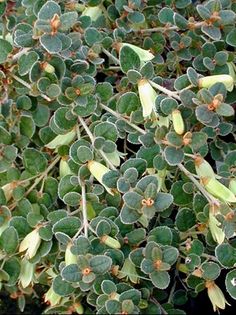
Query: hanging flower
{"points": [[207, 82], [147, 96], [216, 296], [30, 244]]}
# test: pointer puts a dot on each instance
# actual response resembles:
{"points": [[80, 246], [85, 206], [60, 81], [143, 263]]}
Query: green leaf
{"points": [[225, 110], [211, 270], [173, 155], [226, 255], [27, 126], [113, 307], [106, 130], [129, 59], [51, 43], [231, 38], [68, 226], [128, 103], [185, 219], [180, 196], [48, 10], [26, 62], [5, 50], [133, 200], [230, 283], [108, 287], [92, 35], [104, 91], [160, 279], [34, 161], [67, 20], [163, 201], [212, 31], [9, 240], [62, 287], [71, 273], [100, 264], [161, 235]]}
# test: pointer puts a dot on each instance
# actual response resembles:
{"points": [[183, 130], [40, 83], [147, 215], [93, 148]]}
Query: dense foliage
{"points": [[117, 154]]}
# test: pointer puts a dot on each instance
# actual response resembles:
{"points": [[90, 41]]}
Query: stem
{"points": [[84, 209], [158, 29], [51, 166], [143, 132], [205, 193], [89, 133], [165, 91], [115, 60], [159, 305], [20, 53], [27, 85]]}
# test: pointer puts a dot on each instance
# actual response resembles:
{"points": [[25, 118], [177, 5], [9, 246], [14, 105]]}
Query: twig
{"points": [[159, 305], [115, 60], [165, 91], [89, 133], [27, 85], [205, 193], [84, 209], [143, 132]]}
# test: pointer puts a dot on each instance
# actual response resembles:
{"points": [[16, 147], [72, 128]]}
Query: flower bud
{"points": [[216, 296], [64, 168], [61, 140], [144, 55], [51, 297], [232, 70], [110, 241], [69, 257], [226, 79], [178, 122], [48, 68], [147, 97], [30, 244], [214, 187], [93, 12], [79, 309], [217, 234], [8, 190], [203, 168], [26, 273], [98, 170], [232, 185]]}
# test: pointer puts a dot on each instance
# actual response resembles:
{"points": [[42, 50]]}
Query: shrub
{"points": [[118, 155]]}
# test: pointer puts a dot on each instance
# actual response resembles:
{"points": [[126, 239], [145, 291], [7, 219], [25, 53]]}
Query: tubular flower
{"points": [[61, 140], [216, 296], [26, 273], [144, 55], [214, 187], [64, 168], [98, 170], [178, 122], [93, 12], [232, 185], [51, 297], [216, 232], [203, 168], [207, 82], [147, 97], [69, 257], [30, 244]]}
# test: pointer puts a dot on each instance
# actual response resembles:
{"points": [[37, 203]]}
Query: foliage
{"points": [[110, 111]]}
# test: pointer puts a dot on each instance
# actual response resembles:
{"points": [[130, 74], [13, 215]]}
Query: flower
{"points": [[30, 244], [98, 170], [203, 168], [214, 187], [64, 168], [144, 55], [147, 97], [232, 185], [51, 297], [61, 140], [93, 12], [69, 257], [26, 273], [178, 122], [207, 82], [216, 232], [216, 296]]}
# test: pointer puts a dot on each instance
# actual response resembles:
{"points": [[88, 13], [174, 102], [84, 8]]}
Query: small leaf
{"points": [[173, 155], [100, 264], [230, 283], [5, 49], [129, 59], [160, 279]]}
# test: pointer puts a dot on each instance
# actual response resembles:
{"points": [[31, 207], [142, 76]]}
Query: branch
{"points": [[165, 91]]}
